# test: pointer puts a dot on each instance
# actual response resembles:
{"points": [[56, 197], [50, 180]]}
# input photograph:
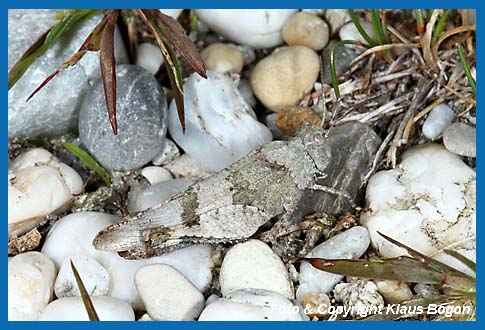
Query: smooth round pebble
{"points": [[461, 139], [167, 294], [394, 292], [426, 290], [306, 29], [221, 127], [141, 109], [350, 32], [149, 57], [438, 119], [156, 174], [222, 58], [316, 305], [350, 244], [258, 28], [31, 278], [156, 194], [73, 235], [72, 309], [336, 18], [284, 77], [253, 265], [94, 276], [251, 305]]}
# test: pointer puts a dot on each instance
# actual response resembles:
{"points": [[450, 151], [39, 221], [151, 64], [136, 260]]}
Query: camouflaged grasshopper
{"points": [[315, 171]]}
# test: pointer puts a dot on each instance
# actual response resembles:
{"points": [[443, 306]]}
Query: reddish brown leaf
{"points": [[107, 62], [92, 43], [88, 304]]}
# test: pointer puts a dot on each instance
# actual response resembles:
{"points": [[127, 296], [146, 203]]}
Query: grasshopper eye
{"points": [[318, 138]]}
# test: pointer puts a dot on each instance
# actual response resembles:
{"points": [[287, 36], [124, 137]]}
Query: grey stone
{"points": [[460, 139], [438, 119], [141, 116], [54, 109], [343, 57]]}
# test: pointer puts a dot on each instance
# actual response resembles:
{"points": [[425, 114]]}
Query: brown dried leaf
{"points": [[107, 63], [88, 304]]}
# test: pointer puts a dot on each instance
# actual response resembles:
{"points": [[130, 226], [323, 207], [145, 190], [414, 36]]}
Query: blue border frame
{"points": [[228, 4]]}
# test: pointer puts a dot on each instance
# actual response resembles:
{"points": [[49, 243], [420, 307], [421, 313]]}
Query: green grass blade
{"points": [[376, 23], [361, 30], [88, 304], [464, 260], [45, 41], [88, 161], [333, 71], [194, 24], [419, 21], [464, 63], [440, 25]]}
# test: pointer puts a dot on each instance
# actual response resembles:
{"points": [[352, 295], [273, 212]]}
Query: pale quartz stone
{"points": [[94, 276], [361, 295], [31, 278], [316, 304], [156, 194], [284, 77], [306, 29], [251, 305], [167, 294], [149, 57], [428, 203], [72, 309], [350, 32], [169, 153], [394, 292], [350, 244], [222, 58], [258, 28], [38, 184], [156, 174], [244, 87], [187, 167], [336, 18], [73, 236], [438, 119], [220, 127], [253, 265], [54, 109], [174, 13]]}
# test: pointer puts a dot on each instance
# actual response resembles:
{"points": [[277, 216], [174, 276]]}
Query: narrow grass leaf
{"points": [[107, 63], [461, 258], [88, 161], [361, 30], [440, 25], [88, 304], [333, 70], [91, 43], [420, 21], [469, 76], [45, 41]]}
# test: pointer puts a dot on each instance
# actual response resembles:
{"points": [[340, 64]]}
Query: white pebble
{"points": [[350, 244], [427, 203], [284, 77], [187, 167], [31, 278], [156, 174], [306, 29], [94, 276], [360, 295], [394, 292], [38, 184], [244, 88], [149, 57], [222, 58], [167, 294], [350, 32], [438, 119], [72, 309], [336, 18], [156, 194], [174, 13], [220, 127], [73, 235], [258, 28], [253, 265], [169, 153], [251, 305]]}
